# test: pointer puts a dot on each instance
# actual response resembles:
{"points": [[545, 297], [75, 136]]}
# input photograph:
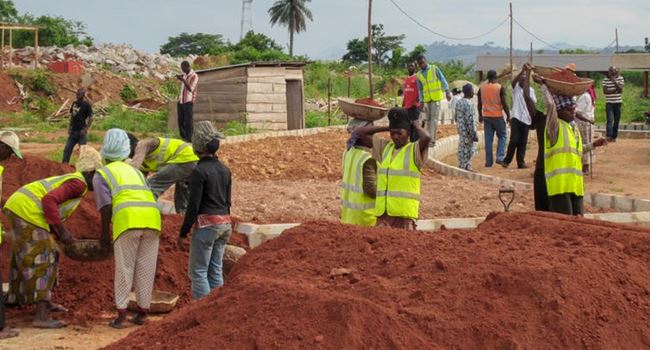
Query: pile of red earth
{"points": [[86, 288], [368, 102], [565, 76], [8, 92], [518, 281]]}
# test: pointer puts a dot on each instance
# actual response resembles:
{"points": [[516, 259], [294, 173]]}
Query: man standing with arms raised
{"points": [[432, 87], [189, 81]]}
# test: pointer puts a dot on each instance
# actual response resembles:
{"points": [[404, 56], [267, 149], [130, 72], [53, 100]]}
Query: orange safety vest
{"points": [[491, 100]]}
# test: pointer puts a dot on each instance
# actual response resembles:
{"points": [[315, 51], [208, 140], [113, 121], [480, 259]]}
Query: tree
{"points": [[256, 47], [382, 44], [456, 70], [54, 31], [197, 44], [8, 11], [293, 15]]}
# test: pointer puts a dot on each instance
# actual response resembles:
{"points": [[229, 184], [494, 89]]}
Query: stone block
{"points": [[623, 204], [641, 205], [601, 200]]}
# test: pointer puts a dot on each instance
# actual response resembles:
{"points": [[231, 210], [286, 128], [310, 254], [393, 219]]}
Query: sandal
{"points": [[54, 307], [49, 324], [116, 325], [8, 333]]}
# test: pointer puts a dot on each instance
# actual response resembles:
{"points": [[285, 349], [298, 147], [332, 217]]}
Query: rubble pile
{"points": [[117, 58]]}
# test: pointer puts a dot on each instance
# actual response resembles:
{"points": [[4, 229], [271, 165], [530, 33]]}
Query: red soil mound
{"points": [[8, 91], [368, 102], [518, 281], [86, 288], [565, 76]]}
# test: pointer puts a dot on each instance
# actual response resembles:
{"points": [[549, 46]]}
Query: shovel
{"points": [[504, 193]]}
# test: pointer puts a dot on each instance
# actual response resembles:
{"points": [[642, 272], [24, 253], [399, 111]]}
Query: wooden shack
{"points": [[264, 95]]}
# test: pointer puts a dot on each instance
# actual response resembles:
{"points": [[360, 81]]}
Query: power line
{"points": [[443, 35], [535, 36]]}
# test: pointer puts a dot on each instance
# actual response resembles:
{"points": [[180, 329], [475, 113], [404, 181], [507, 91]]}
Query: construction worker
{"points": [[358, 186], [9, 144], [491, 107], [563, 152], [172, 160], [124, 200], [432, 88], [37, 212], [397, 200]]}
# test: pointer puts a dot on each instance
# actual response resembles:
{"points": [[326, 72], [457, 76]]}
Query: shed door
{"points": [[295, 110]]}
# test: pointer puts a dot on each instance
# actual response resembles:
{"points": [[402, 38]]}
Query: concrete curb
{"points": [[283, 133]]}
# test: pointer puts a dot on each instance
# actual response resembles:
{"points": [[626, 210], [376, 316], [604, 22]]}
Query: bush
{"points": [[128, 93], [36, 80], [316, 119], [171, 87]]}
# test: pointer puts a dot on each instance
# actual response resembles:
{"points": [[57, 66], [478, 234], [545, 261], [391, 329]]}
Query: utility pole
{"points": [[246, 18], [616, 33], [370, 47], [511, 41], [530, 59]]}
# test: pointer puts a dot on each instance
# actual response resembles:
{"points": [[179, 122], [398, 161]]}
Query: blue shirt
{"points": [[440, 76]]}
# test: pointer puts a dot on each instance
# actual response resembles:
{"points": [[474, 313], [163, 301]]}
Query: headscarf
{"points": [[398, 118], [562, 101], [353, 124], [204, 133], [116, 145], [89, 159]]}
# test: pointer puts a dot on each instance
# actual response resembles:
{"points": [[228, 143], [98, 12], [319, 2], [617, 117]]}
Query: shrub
{"points": [[128, 93]]}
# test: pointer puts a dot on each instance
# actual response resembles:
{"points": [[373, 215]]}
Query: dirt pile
{"points": [[518, 281], [86, 288], [565, 76], [8, 92]]}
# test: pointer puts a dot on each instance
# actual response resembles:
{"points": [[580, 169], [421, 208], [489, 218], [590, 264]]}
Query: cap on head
{"points": [[10, 139], [571, 67]]}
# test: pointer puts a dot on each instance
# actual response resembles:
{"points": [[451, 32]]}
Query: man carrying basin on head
{"points": [[172, 162], [37, 212]]}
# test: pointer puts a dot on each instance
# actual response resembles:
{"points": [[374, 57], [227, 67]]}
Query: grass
{"points": [[316, 119], [235, 127], [634, 105], [28, 120], [119, 117]]}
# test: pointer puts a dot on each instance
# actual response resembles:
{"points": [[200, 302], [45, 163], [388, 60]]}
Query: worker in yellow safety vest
{"points": [[432, 89], [563, 152], [397, 201], [36, 212], [9, 144], [358, 186], [125, 201], [171, 160]]}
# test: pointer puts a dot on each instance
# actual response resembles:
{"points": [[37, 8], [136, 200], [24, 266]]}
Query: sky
{"points": [[146, 24]]}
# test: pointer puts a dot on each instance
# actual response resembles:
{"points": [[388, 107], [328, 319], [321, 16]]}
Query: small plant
{"points": [[315, 119], [118, 117], [237, 127], [128, 93], [171, 87]]}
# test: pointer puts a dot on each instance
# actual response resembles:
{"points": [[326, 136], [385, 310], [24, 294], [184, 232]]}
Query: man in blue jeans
{"points": [[491, 107], [208, 211], [613, 89]]}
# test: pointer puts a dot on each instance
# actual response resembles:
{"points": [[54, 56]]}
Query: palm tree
{"points": [[290, 13]]}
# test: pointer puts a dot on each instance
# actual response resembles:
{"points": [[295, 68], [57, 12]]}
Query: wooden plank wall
{"points": [[221, 95], [266, 102]]}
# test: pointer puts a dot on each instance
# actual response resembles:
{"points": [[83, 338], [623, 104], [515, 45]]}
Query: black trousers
{"points": [[566, 203], [2, 305], [74, 138], [518, 142], [186, 120], [541, 195]]}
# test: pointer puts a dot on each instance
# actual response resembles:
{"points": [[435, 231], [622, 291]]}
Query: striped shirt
{"points": [[609, 84], [187, 96]]}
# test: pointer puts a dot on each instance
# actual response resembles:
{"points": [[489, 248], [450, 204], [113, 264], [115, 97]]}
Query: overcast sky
{"points": [[146, 24]]}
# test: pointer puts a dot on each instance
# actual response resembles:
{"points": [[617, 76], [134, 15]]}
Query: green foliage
{"points": [[456, 70], [576, 51], [194, 44], [317, 74], [8, 11], [55, 31], [256, 47], [36, 80], [634, 105], [237, 127], [292, 14], [316, 119], [128, 93], [171, 87], [119, 117], [382, 44]]}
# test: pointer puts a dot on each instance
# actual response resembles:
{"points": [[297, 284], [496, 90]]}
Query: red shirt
{"points": [[68, 190], [410, 92]]}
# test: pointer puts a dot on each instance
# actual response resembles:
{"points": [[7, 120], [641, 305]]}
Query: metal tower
{"points": [[246, 18]]}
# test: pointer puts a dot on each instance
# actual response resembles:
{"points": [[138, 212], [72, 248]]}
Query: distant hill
{"points": [[442, 51]]}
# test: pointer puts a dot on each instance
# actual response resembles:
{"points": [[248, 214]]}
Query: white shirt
{"points": [[519, 109], [584, 105]]}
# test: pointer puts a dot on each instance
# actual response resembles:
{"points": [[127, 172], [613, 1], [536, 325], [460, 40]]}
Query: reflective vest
{"points": [[431, 85], [169, 151], [398, 183], [563, 161], [2, 170], [134, 205], [357, 208], [26, 202], [491, 100]]}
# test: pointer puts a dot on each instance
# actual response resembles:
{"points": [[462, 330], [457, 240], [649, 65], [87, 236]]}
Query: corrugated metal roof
{"points": [[584, 63], [257, 64]]}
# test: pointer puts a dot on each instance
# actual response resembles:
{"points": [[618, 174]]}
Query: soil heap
{"points": [[86, 288], [518, 281]]}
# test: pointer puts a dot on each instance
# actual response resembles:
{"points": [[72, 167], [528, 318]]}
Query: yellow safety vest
{"points": [[398, 183], [134, 205], [563, 162], [26, 203], [169, 151], [431, 85], [357, 208], [2, 170]]}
